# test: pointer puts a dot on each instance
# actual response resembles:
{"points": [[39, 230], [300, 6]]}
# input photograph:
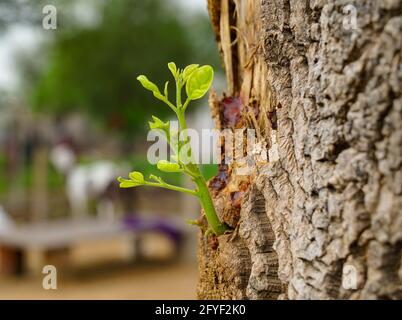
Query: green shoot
{"points": [[196, 80]]}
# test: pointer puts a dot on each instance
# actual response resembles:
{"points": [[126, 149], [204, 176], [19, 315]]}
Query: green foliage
{"points": [[197, 80], [141, 163], [188, 71], [90, 69], [173, 69], [166, 166], [158, 124], [136, 179], [151, 87]]}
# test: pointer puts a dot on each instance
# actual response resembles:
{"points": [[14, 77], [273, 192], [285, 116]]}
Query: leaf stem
{"points": [[171, 187], [214, 222], [178, 94], [186, 104], [204, 196], [171, 105]]}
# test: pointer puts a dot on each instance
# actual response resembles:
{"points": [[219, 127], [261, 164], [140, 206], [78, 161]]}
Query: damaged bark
{"points": [[322, 217]]}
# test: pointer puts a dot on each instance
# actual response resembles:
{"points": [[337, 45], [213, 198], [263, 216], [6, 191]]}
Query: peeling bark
{"points": [[322, 219]]}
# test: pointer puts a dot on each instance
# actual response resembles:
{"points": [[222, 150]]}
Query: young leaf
{"points": [[137, 177], [189, 70], [173, 69], [167, 166], [166, 91], [150, 86], [159, 124], [127, 183], [199, 82], [155, 178]]}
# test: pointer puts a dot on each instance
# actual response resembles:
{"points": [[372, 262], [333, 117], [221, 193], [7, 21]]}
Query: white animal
{"points": [[85, 181], [5, 221]]}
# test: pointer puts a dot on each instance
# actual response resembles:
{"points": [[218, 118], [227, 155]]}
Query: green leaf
{"points": [[166, 92], [150, 86], [147, 84], [173, 69], [137, 177], [159, 124], [167, 166], [127, 183], [189, 70], [199, 82], [155, 178]]}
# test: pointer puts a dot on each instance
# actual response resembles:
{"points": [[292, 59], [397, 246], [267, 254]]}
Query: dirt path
{"points": [[143, 281]]}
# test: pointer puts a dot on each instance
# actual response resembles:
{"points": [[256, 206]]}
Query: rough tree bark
{"points": [[322, 218]]}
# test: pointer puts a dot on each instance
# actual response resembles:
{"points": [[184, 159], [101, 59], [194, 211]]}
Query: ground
{"points": [[106, 270], [138, 281]]}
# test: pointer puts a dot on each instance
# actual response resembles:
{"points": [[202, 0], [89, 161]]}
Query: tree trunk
{"points": [[321, 219]]}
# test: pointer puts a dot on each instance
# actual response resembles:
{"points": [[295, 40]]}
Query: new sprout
{"points": [[196, 80]]}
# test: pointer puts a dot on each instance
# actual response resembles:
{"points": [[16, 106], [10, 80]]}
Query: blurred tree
{"points": [[94, 68], [13, 11]]}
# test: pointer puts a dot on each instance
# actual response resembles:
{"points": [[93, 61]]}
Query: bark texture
{"points": [[322, 218]]}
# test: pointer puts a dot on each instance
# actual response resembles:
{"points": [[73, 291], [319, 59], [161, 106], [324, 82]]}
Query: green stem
{"points": [[214, 223], [178, 95], [186, 104], [183, 128], [204, 196], [171, 187], [171, 105]]}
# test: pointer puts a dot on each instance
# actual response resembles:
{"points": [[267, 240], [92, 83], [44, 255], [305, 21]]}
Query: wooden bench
{"points": [[50, 241]]}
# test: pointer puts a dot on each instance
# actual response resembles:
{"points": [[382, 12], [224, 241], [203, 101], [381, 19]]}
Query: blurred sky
{"points": [[20, 37]]}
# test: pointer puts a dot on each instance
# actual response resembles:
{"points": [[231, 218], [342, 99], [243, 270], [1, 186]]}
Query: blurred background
{"points": [[73, 117]]}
